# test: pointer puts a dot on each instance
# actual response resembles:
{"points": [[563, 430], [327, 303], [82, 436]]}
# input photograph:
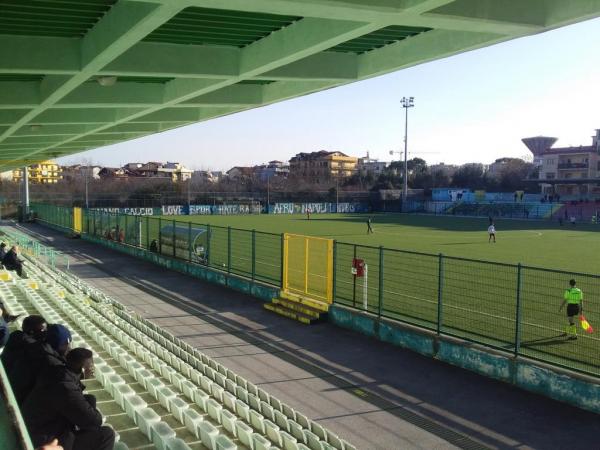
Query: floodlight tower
{"points": [[406, 103]]}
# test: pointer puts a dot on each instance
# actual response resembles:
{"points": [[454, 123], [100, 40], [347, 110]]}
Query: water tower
{"points": [[538, 145]]}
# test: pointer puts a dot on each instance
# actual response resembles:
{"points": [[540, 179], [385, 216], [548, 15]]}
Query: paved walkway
{"points": [[375, 395]]}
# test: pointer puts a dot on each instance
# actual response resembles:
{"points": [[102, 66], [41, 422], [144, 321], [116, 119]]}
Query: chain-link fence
{"points": [[508, 307]]}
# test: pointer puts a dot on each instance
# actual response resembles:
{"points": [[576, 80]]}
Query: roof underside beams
{"points": [[177, 62]]}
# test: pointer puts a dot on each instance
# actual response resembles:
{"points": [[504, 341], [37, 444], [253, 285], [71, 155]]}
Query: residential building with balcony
{"points": [[570, 171], [45, 172], [322, 165], [368, 165]]}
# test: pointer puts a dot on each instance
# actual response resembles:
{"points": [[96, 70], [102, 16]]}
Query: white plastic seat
{"points": [[281, 421], [192, 420], [123, 391], [161, 434], [228, 420], [287, 441], [153, 385], [244, 434], [134, 403], [102, 373], [242, 410], [165, 394], [260, 442], [188, 388], [318, 430], [288, 411], [217, 392], [334, 440], [177, 407], [208, 435], [312, 440], [224, 443], [143, 376], [213, 409], [257, 421], [145, 420], [229, 401], [177, 444], [251, 399], [297, 431], [112, 382], [272, 432], [267, 411], [200, 398], [178, 379]]}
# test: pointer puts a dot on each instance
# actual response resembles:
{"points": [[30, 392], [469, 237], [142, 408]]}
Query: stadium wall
{"points": [[578, 390], [254, 288]]}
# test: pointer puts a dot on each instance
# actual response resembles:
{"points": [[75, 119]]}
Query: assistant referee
{"points": [[573, 298]]}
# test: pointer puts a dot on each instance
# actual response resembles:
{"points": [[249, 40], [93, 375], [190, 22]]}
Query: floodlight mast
{"points": [[407, 102]]}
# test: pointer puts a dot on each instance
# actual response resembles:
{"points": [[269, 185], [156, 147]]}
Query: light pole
{"points": [[87, 174], [407, 102]]}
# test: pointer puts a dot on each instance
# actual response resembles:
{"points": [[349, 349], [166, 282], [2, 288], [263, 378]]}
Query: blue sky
{"points": [[471, 107]]}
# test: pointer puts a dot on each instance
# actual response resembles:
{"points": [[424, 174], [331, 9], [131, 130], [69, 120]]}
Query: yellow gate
{"points": [[308, 266], [77, 220]]}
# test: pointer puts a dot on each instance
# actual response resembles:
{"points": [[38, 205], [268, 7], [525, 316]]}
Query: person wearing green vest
{"points": [[573, 298]]}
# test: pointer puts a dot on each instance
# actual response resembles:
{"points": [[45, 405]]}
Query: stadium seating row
{"points": [[175, 395]]}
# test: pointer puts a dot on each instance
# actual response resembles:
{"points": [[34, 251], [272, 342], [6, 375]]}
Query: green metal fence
{"points": [[59, 216], [249, 253], [512, 308]]}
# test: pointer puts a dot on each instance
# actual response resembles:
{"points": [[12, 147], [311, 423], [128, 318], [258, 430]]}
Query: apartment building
{"points": [[322, 165], [45, 172]]}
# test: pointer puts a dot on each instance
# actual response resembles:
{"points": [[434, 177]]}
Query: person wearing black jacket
{"points": [[58, 409], [34, 329], [11, 261], [37, 358]]}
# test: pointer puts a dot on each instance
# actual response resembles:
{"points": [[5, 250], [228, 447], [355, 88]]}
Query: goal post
{"points": [[308, 266]]}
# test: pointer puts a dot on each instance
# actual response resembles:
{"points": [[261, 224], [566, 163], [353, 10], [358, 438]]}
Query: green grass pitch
{"points": [[479, 298]]}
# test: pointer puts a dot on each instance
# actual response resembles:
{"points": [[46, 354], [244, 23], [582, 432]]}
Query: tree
{"points": [[514, 174], [469, 176]]}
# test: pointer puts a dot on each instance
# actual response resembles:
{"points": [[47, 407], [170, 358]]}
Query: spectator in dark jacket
{"points": [[2, 252], [37, 359], [58, 409], [11, 261], [34, 329], [4, 331]]}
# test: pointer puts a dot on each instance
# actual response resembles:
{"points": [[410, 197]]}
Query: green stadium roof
{"points": [[81, 74]]}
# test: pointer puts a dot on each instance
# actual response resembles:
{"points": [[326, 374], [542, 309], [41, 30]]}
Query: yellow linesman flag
{"points": [[585, 324]]}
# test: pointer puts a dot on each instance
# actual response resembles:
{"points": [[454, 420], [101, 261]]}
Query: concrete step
{"points": [[290, 313], [299, 307], [305, 300]]}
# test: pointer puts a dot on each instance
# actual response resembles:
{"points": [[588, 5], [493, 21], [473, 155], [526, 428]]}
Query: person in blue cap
{"points": [[38, 358]]}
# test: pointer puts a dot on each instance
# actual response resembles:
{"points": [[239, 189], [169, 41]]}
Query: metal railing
{"points": [[513, 308]]}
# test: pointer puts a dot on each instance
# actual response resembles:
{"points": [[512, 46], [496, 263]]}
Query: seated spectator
{"points": [[34, 329], [5, 319], [58, 409], [2, 252], [37, 359], [11, 261], [4, 331]]}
